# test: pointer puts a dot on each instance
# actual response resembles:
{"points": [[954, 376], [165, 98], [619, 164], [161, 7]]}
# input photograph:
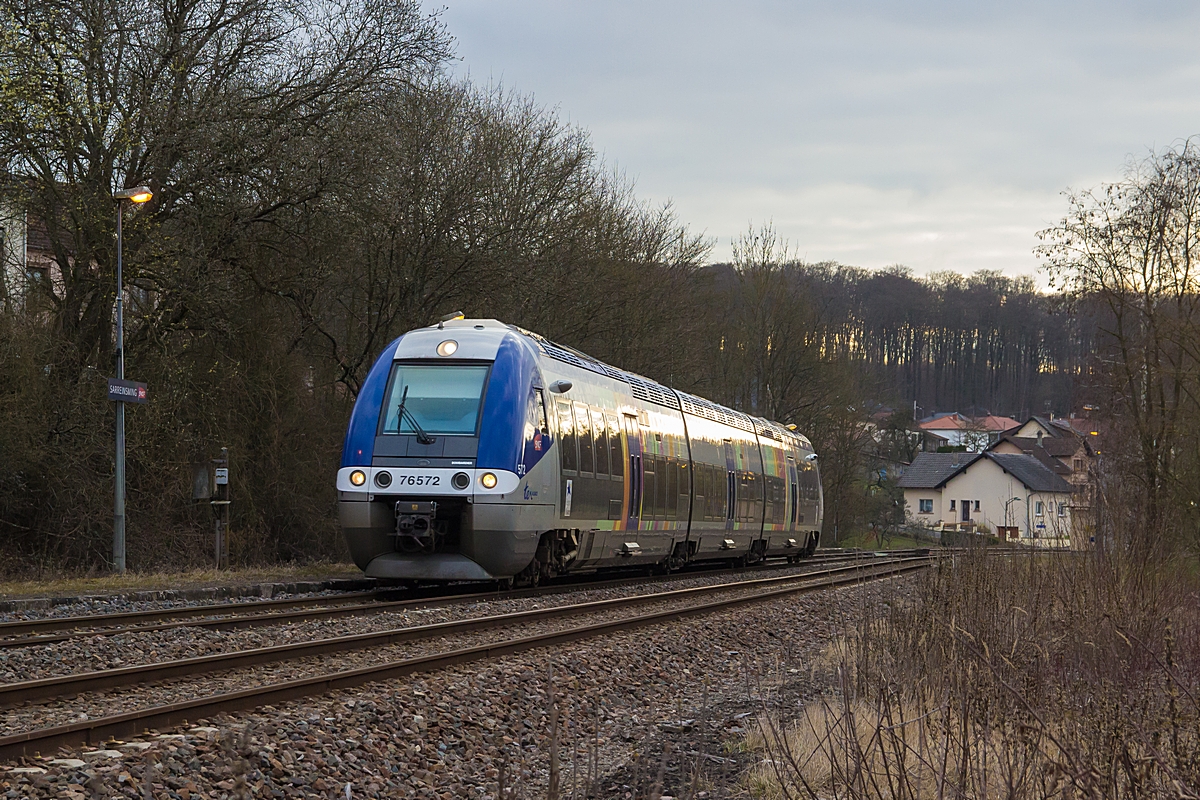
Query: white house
{"points": [[973, 433], [1012, 495]]}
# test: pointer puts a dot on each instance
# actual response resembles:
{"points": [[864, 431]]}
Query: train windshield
{"points": [[441, 398]]}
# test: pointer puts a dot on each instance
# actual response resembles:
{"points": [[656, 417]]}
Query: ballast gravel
{"points": [[459, 733], [121, 604], [97, 704], [110, 651]]}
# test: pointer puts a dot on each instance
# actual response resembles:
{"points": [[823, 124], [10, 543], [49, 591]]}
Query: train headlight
{"points": [[383, 479], [447, 348], [461, 480], [488, 480], [358, 477]]}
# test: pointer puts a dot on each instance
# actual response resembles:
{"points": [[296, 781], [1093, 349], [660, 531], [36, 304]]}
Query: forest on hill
{"points": [[323, 184]]}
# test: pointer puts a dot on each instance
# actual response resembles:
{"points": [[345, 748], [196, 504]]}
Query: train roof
{"points": [[653, 392]]}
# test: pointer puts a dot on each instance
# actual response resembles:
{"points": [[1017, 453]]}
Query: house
{"points": [[973, 433], [1061, 445], [26, 257], [1013, 495]]}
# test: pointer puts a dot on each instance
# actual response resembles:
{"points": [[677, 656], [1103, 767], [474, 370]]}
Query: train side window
{"points": [[770, 507], [683, 499], [671, 499], [649, 483], [540, 411], [663, 467], [710, 490], [567, 445], [616, 458], [601, 432], [587, 455], [720, 488], [780, 501]]}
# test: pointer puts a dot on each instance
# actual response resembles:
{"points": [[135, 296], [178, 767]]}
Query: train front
{"points": [[443, 474]]}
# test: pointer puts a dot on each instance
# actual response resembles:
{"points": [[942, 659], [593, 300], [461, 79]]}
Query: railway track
{"points": [[124, 724], [232, 616]]}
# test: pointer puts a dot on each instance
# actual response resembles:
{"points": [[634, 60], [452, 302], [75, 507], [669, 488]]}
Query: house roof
{"points": [[933, 470], [992, 422], [944, 422], [956, 421], [1063, 447], [1031, 472]]}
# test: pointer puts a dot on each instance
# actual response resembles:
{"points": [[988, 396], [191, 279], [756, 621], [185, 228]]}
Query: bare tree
{"points": [[1129, 250]]}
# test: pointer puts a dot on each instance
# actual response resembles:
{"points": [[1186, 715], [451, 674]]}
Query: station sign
{"points": [[126, 391]]}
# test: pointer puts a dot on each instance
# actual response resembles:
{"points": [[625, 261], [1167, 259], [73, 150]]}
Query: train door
{"points": [[731, 479], [793, 492], [633, 486]]}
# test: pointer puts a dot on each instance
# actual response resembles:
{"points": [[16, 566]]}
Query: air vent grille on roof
{"points": [[643, 389], [699, 407], [652, 392], [764, 428], [559, 354]]}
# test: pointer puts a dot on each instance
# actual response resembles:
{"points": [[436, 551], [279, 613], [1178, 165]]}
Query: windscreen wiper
{"points": [[405, 414]]}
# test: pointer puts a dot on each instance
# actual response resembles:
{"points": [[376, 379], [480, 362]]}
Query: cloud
{"points": [[938, 135]]}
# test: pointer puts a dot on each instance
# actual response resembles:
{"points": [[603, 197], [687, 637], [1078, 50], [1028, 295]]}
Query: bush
{"points": [[1075, 675]]}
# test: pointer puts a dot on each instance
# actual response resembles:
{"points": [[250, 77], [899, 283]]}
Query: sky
{"points": [[935, 135]]}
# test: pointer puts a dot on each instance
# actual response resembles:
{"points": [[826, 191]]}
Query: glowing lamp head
{"points": [[447, 348], [138, 194], [488, 480], [358, 477]]}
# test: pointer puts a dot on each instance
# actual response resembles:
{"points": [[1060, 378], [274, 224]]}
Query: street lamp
{"points": [[1007, 503], [139, 195]]}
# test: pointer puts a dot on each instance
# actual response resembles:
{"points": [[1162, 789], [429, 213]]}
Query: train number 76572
{"points": [[419, 480]]}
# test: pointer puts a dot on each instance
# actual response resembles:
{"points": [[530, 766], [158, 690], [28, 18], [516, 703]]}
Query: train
{"points": [[480, 451]]}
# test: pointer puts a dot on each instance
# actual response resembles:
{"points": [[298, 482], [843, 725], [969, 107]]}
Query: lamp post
{"points": [[138, 194], [1007, 503]]}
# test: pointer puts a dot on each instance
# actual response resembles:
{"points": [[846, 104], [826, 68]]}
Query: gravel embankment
{"points": [[93, 705], [30, 608], [90, 653], [451, 734]]}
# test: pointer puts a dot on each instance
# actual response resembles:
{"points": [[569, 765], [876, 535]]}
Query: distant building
{"points": [[1068, 448], [973, 433], [1013, 495], [26, 258]]}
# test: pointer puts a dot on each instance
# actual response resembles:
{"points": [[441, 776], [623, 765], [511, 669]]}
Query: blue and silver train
{"points": [[480, 451]]}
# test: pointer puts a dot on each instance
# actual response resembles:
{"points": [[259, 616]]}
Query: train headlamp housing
{"points": [[383, 479], [488, 480], [358, 477], [447, 348]]}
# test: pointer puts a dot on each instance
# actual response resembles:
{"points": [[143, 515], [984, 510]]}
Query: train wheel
{"points": [[529, 577]]}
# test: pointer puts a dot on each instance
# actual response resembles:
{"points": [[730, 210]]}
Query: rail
{"points": [[118, 725]]}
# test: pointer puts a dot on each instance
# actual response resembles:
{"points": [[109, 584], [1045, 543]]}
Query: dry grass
{"points": [[133, 581], [1052, 677]]}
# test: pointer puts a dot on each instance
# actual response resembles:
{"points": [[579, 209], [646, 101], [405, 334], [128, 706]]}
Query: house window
{"points": [[1039, 509], [1062, 509], [976, 505], [926, 506], [1077, 465], [951, 505]]}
